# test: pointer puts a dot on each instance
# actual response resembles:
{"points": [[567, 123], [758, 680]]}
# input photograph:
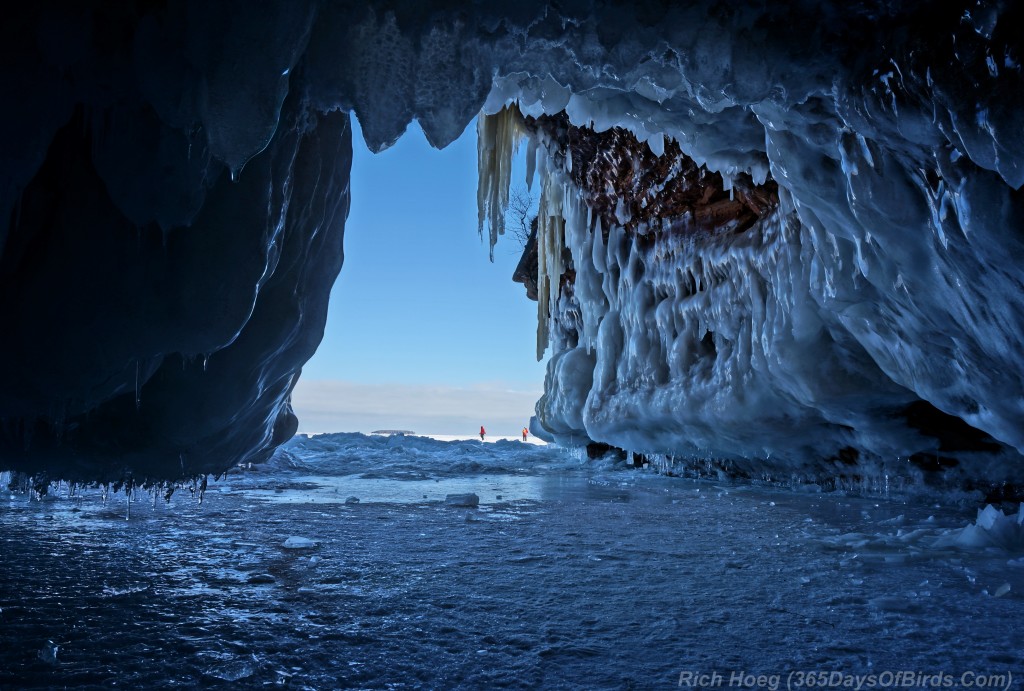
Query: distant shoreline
{"points": [[489, 438]]}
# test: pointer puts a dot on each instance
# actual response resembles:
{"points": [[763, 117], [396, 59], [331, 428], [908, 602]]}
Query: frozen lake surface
{"points": [[568, 575]]}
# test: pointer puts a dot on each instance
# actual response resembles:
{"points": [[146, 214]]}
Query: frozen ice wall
{"points": [[175, 181], [687, 324]]}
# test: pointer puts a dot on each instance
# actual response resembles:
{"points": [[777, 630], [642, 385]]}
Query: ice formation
{"points": [[691, 325], [176, 181], [992, 528], [498, 137]]}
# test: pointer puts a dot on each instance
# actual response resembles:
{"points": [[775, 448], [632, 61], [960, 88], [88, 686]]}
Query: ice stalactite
{"points": [[498, 138], [550, 246]]}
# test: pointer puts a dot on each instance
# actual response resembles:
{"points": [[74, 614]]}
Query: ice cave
{"points": [[780, 241]]}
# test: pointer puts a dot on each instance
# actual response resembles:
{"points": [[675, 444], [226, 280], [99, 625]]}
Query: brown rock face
{"points": [[526, 269], [626, 184]]}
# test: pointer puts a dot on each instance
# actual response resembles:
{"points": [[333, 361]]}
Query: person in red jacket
{"points": [[525, 432], [482, 432]]}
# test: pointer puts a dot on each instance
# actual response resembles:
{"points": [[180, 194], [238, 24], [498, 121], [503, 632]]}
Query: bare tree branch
{"points": [[519, 215]]}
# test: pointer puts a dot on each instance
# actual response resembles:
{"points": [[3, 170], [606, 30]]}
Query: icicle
{"points": [[498, 138], [531, 162], [656, 143], [550, 242]]}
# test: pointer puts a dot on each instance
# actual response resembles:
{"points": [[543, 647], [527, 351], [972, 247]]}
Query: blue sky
{"points": [[424, 332]]}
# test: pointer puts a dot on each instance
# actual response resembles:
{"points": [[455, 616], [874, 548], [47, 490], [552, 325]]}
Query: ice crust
{"points": [[177, 180]]}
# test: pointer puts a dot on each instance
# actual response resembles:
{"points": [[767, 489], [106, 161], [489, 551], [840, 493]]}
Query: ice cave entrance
{"points": [[419, 317]]}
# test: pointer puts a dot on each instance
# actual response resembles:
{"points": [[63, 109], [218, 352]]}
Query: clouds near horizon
{"points": [[344, 406]]}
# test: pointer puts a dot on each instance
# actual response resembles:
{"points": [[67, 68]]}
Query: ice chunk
{"points": [[891, 603], [48, 653], [296, 542], [992, 528], [462, 500], [234, 670]]}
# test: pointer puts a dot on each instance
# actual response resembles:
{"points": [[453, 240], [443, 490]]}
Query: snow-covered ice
{"points": [[568, 570]]}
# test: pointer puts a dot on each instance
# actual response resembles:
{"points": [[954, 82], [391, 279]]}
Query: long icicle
{"points": [[498, 138], [550, 242]]}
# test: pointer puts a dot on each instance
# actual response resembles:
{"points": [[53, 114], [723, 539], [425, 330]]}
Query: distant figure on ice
{"points": [[525, 432], [482, 432]]}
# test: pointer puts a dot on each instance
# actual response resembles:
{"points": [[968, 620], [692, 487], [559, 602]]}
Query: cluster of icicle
{"points": [[498, 138], [38, 487]]}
